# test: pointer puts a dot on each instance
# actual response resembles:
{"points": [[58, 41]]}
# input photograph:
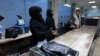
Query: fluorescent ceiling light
{"points": [[77, 8], [96, 17], [94, 7], [67, 5], [92, 2]]}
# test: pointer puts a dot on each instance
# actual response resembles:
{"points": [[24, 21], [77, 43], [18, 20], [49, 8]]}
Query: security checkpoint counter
{"points": [[78, 39]]}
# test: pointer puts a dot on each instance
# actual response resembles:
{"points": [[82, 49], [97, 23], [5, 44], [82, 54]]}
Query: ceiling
{"points": [[86, 4]]}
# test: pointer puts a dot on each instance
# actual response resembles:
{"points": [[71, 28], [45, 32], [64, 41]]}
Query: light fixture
{"points": [[94, 7], [96, 17], [67, 5], [77, 8], [92, 2]]}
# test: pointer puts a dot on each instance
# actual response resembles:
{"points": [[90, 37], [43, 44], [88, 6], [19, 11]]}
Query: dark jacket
{"points": [[38, 27], [39, 30], [50, 20]]}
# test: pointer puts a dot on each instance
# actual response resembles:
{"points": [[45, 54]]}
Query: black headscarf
{"points": [[35, 13], [50, 20], [19, 16], [1, 18], [49, 13]]}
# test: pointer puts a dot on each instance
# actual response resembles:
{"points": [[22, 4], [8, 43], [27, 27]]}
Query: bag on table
{"points": [[11, 32], [26, 29], [59, 50]]}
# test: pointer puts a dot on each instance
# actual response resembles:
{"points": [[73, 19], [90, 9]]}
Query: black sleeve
{"points": [[40, 30], [50, 23]]}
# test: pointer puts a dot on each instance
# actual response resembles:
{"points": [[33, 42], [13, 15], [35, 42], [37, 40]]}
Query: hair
{"points": [[34, 11], [19, 17], [1, 18], [77, 10], [49, 13]]}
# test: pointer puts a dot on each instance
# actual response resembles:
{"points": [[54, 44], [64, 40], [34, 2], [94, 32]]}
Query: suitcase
{"points": [[11, 32], [59, 50], [26, 29], [20, 30], [53, 49]]}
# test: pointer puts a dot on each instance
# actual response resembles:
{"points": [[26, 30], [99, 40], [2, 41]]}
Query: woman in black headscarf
{"points": [[38, 26], [50, 20]]}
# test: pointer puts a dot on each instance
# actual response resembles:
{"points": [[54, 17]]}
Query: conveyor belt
{"points": [[78, 39]]}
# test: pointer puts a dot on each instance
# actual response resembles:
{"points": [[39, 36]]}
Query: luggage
{"points": [[53, 49], [26, 29], [60, 50], [20, 30], [11, 32]]}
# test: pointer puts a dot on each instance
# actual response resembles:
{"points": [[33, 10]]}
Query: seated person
{"points": [[20, 24], [73, 23], [20, 21], [1, 27]]}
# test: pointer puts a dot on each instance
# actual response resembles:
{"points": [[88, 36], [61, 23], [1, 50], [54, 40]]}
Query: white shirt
{"points": [[77, 21]]}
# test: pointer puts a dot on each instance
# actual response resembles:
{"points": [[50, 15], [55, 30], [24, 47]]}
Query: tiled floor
{"points": [[97, 48]]}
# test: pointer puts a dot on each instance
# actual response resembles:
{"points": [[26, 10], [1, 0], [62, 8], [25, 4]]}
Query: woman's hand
{"points": [[54, 32]]}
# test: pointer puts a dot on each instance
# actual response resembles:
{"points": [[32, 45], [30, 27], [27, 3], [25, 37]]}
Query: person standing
{"points": [[38, 27], [76, 20], [50, 20]]}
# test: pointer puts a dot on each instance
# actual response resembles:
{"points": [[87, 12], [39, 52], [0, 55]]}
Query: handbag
{"points": [[59, 50], [11, 32]]}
